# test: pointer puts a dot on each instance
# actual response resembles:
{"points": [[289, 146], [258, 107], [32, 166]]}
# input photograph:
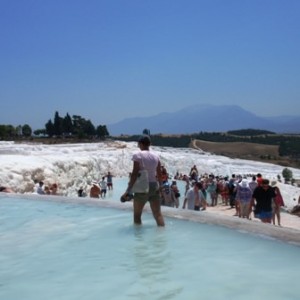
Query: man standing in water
{"points": [[109, 181], [145, 159]]}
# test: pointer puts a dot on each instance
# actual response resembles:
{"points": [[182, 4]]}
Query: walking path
{"points": [[287, 220]]}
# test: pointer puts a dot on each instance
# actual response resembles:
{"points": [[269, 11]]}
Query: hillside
{"points": [[244, 150]]}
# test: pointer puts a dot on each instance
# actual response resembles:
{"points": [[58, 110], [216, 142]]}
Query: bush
{"points": [[287, 174]]}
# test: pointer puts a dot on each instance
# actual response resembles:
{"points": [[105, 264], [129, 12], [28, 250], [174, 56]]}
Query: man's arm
{"points": [[134, 176], [159, 174], [184, 203]]}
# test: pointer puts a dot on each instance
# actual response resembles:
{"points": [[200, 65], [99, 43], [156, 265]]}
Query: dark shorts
{"points": [[109, 184], [152, 195], [263, 214]]}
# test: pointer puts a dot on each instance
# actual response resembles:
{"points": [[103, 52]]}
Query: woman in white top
{"points": [[145, 159]]}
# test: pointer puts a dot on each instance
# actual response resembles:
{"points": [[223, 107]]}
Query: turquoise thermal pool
{"points": [[66, 250]]}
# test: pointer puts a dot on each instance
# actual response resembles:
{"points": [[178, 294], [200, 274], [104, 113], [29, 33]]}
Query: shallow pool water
{"points": [[52, 250]]}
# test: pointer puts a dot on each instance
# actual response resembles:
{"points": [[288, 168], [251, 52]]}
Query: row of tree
{"points": [[75, 126], [9, 131]]}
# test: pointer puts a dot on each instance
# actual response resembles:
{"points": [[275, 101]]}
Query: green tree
{"points": [[88, 128], [58, 124], [102, 131], [287, 174], [77, 125], [40, 132], [67, 125], [11, 131], [19, 130], [2, 131], [50, 128], [83, 127], [26, 130]]}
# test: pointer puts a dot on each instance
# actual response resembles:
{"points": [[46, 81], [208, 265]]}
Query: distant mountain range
{"points": [[205, 117]]}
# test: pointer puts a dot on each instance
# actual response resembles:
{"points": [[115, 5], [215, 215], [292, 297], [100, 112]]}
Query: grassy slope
{"points": [[244, 150]]}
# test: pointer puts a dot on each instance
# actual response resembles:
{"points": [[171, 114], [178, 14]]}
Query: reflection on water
{"points": [[154, 263]]}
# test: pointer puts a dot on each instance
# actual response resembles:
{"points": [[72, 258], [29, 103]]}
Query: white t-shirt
{"points": [[147, 160], [103, 185], [190, 196]]}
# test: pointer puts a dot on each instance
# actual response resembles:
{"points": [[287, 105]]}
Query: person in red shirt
{"points": [[259, 179]]}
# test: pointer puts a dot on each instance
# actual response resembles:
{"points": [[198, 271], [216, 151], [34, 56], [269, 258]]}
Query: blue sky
{"points": [[107, 60]]}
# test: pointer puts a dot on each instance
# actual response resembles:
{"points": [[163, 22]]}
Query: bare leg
{"points": [[204, 204], [238, 208], [155, 207], [214, 199], [137, 211], [226, 200], [278, 216], [249, 212]]}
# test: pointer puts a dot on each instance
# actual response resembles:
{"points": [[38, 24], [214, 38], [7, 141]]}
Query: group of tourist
{"points": [[201, 191], [42, 189], [257, 195], [98, 188], [38, 188]]}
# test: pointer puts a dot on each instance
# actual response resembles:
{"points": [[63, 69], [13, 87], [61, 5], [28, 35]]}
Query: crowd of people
{"points": [[256, 196], [97, 189]]}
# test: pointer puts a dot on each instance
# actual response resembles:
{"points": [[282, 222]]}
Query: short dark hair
{"points": [[145, 140], [265, 181], [198, 185]]}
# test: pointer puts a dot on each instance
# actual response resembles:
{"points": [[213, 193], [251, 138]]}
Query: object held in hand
{"points": [[126, 198]]}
